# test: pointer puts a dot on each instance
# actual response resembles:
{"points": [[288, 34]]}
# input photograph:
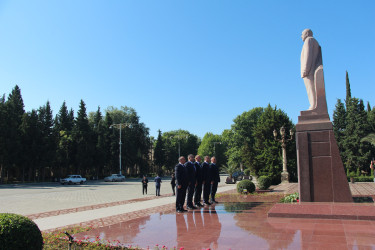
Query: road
{"points": [[33, 198]]}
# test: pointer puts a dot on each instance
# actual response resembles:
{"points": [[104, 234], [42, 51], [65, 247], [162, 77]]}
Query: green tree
{"points": [[13, 140], [159, 152], [48, 147], [356, 154], [82, 136], [3, 128], [32, 141], [348, 90], [213, 145], [339, 123], [268, 159], [178, 140], [64, 122], [98, 126]]}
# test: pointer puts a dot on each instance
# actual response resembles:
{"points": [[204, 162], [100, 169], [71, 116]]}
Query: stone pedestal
{"points": [[321, 174]]}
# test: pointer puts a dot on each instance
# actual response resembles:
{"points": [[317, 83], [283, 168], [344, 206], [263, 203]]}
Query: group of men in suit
{"points": [[193, 177]]}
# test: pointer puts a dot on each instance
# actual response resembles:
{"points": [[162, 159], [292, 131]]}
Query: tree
{"points": [[213, 145], [268, 159], [356, 154], [13, 140], [178, 141], [339, 123], [82, 136], [159, 156], [348, 91], [98, 126]]}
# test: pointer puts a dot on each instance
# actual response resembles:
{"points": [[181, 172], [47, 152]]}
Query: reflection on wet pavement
{"points": [[237, 222]]}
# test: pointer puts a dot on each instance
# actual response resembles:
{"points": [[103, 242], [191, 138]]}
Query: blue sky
{"points": [[193, 65]]}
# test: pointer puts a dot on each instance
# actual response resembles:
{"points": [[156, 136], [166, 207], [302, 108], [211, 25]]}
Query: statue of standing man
{"points": [[311, 59]]}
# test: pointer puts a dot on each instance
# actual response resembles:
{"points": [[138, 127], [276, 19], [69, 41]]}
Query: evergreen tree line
{"points": [[35, 146], [248, 144], [351, 123]]}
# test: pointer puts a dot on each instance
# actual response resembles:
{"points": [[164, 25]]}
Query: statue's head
{"points": [[306, 33]]}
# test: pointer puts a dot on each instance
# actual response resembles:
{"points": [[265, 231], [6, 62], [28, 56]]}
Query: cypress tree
{"points": [[13, 140], [82, 136], [159, 156], [348, 91], [339, 123]]}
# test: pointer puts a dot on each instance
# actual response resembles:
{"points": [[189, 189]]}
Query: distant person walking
{"points": [[144, 185], [173, 184], [157, 185]]}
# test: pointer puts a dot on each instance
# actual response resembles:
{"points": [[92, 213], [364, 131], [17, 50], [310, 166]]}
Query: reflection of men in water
{"points": [[199, 181], [311, 59], [215, 178], [181, 178], [206, 180], [190, 167], [195, 226]]}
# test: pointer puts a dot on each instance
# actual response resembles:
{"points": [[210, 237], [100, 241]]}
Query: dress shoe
{"points": [[198, 204], [191, 207], [207, 203], [183, 210]]}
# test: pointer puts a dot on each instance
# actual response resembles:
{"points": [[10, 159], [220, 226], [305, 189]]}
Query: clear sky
{"points": [[193, 65]]}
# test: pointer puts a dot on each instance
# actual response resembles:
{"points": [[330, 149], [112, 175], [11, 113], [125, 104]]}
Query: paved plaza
{"points": [[118, 212]]}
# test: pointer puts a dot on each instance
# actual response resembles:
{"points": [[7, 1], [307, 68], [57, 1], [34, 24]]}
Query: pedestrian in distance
{"points": [[173, 184], [215, 179], [190, 167], [198, 181], [157, 185], [144, 185], [182, 183], [206, 180]]}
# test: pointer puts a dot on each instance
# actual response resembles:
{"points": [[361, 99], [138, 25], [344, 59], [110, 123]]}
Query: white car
{"points": [[73, 179], [115, 177]]}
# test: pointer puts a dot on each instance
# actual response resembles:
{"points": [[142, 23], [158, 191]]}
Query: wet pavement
{"points": [[236, 222]]}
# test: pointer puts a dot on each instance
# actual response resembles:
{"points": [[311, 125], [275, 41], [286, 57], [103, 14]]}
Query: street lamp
{"points": [[284, 140], [179, 137], [215, 142], [119, 126]]}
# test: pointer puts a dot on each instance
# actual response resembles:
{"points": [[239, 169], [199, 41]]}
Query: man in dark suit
{"points": [[199, 181], [182, 183], [215, 179], [190, 167], [157, 185], [206, 180]]}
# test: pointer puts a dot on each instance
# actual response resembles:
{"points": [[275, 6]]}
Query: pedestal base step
{"points": [[324, 210]]}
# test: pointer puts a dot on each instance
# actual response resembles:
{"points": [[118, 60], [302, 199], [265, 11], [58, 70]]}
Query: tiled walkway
{"points": [[237, 222]]}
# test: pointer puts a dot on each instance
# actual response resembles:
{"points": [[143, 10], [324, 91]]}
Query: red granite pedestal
{"points": [[321, 174]]}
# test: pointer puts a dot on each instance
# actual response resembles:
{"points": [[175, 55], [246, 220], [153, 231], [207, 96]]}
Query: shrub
{"points": [[245, 184], [19, 232], [247, 172], [264, 182], [290, 198], [363, 179]]}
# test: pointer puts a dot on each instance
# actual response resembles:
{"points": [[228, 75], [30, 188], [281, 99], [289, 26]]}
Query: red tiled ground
{"points": [[237, 222]]}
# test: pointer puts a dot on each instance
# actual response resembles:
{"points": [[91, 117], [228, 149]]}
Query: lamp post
{"points": [[283, 141], [215, 142], [119, 126], [179, 137]]}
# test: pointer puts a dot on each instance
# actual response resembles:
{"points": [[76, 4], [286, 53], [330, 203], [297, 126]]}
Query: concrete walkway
{"points": [[63, 220]]}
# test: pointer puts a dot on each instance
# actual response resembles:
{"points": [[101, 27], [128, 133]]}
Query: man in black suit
{"points": [[215, 179], [199, 181], [181, 178], [190, 167], [206, 180]]}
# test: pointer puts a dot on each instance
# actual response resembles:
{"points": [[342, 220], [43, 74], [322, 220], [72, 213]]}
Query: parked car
{"points": [[115, 177], [238, 175], [73, 179]]}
